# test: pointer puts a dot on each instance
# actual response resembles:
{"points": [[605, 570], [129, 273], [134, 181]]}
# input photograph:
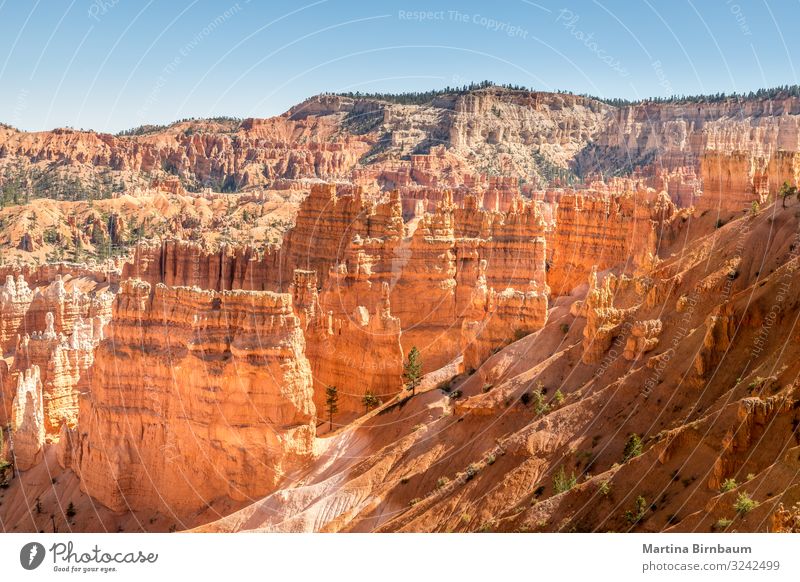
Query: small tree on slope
{"points": [[331, 403], [412, 370]]}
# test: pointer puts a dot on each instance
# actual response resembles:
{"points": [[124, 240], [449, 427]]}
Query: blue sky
{"points": [[114, 64]]}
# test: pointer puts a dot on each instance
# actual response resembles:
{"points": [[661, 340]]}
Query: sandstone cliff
{"points": [[27, 420], [195, 395]]}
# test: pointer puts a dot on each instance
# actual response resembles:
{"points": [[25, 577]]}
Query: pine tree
{"points": [[77, 253], [370, 401], [412, 370], [633, 448], [331, 403], [786, 191]]}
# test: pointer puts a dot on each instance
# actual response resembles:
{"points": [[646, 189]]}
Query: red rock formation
{"points": [[15, 300], [734, 181], [195, 395], [496, 318], [603, 231], [336, 346], [603, 321], [27, 420], [250, 155], [65, 364], [355, 245], [644, 338]]}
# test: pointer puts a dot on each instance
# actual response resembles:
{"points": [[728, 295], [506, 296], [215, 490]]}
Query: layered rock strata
{"points": [[337, 347], [605, 231], [27, 420], [195, 395]]}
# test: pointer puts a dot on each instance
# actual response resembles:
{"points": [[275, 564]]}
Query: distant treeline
{"points": [[772, 93], [422, 97], [151, 128]]}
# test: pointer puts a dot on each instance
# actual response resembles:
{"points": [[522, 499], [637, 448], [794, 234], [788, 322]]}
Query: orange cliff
{"points": [[604, 230], [354, 244], [734, 181], [336, 346], [196, 395], [27, 420], [56, 331]]}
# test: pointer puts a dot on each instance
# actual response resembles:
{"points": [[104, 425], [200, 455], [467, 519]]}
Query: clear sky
{"points": [[113, 64]]}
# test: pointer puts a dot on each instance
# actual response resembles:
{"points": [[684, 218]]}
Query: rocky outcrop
{"points": [[497, 317], [603, 321], [15, 300], [65, 364], [365, 341], [597, 229], [643, 338], [27, 420], [720, 329], [734, 181], [343, 234], [24, 310], [195, 395]]}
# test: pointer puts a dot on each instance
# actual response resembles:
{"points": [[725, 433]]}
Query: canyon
{"points": [[603, 299]]}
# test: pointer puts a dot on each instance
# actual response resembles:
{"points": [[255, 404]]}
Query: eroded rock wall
{"points": [[195, 395]]}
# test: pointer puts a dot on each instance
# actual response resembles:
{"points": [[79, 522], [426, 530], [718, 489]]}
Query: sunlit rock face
{"points": [[195, 395]]}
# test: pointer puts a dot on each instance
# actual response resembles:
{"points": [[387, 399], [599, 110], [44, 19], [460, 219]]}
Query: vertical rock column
{"points": [[27, 420]]}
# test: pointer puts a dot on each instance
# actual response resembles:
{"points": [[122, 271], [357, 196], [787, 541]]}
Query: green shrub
{"points": [[442, 482], [487, 387], [604, 489], [562, 483], [640, 510], [744, 503], [728, 485], [722, 524], [370, 401], [633, 448], [558, 397]]}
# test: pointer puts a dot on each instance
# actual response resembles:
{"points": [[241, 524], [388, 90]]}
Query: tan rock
{"points": [[27, 420]]}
